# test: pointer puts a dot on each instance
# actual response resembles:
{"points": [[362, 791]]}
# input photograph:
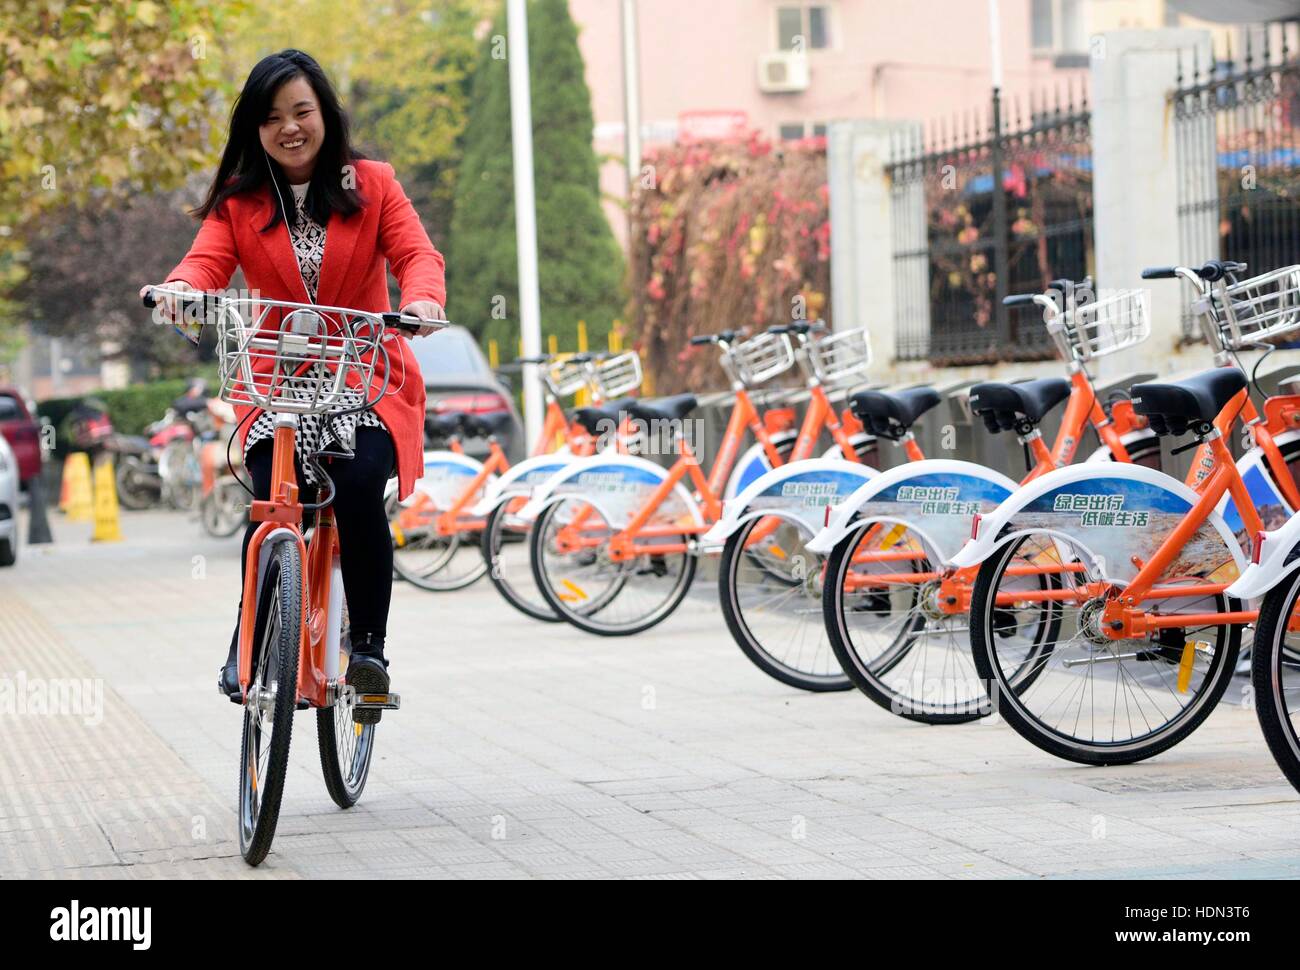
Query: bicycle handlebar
{"points": [[1211, 271], [398, 321]]}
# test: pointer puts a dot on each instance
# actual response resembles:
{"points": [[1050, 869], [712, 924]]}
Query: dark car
{"points": [[457, 377], [21, 431]]}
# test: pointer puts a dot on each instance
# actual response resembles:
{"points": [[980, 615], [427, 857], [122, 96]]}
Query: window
{"points": [[795, 130], [448, 352], [803, 27], [1056, 27]]}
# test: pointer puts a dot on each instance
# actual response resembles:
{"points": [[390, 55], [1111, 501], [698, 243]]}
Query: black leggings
{"points": [[365, 545]]}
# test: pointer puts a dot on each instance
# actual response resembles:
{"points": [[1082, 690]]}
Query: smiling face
{"points": [[294, 130]]}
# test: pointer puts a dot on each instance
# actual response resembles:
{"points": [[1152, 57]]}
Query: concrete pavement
{"points": [[531, 750]]}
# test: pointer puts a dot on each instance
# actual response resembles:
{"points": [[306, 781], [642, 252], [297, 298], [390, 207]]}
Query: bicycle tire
{"points": [[1266, 669], [538, 609], [275, 638], [735, 556], [346, 747], [589, 621], [1033, 729]]}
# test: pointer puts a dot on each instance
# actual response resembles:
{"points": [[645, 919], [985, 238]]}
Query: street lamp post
{"points": [[521, 137]]}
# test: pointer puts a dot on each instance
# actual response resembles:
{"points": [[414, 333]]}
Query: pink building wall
{"points": [[917, 60]]}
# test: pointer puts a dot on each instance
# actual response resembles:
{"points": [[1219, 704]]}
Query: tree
{"points": [[83, 263], [98, 100], [580, 264]]}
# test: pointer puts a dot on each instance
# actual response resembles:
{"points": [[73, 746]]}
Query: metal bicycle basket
{"points": [[841, 357], [565, 376], [762, 357], [1105, 325], [618, 375], [294, 357], [1256, 310]]}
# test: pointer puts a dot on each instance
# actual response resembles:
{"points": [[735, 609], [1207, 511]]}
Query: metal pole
{"points": [[995, 43], [631, 95], [1001, 243], [521, 137]]}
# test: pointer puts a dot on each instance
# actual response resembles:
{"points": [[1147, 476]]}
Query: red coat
{"points": [[352, 275]]}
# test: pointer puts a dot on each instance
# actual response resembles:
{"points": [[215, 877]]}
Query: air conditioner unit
{"points": [[783, 72]]}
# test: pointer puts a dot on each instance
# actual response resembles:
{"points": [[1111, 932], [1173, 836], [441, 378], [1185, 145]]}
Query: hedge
{"points": [[131, 409]]}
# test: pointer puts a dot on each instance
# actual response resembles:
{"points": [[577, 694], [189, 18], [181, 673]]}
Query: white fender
{"points": [[802, 488], [521, 479], [1279, 541], [1113, 511], [446, 476], [750, 467], [936, 498], [1275, 562], [618, 486], [1141, 434]]}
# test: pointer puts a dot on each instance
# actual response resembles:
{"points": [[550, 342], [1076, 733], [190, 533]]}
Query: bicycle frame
{"points": [[321, 611]]}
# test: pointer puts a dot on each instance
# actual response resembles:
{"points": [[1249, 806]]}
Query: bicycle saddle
{"points": [[663, 409], [485, 425], [443, 425], [598, 418], [890, 414], [999, 404], [1178, 406]]}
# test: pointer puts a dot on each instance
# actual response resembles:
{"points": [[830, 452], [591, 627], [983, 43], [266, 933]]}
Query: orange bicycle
{"points": [[893, 607], [1134, 566], [436, 530], [615, 543], [293, 643]]}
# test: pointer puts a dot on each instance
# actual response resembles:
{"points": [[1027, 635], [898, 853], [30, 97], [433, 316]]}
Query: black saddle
{"points": [[486, 424], [599, 418], [443, 425], [890, 414], [663, 409], [1008, 407], [1192, 404]]}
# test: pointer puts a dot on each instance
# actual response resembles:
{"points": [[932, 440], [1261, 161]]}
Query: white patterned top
{"points": [[315, 432]]}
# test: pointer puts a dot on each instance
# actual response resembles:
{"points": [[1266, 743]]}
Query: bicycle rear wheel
{"points": [[271, 702], [1275, 675], [346, 747], [425, 558], [505, 550], [888, 629], [588, 589], [1083, 696], [770, 587]]}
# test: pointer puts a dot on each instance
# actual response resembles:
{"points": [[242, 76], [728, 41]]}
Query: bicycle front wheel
{"points": [[770, 587], [569, 553], [426, 558], [271, 702]]}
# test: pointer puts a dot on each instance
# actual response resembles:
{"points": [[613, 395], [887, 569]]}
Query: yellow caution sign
{"points": [[76, 488], [107, 528]]}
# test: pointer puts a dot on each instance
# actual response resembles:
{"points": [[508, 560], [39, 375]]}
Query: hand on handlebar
{"points": [[425, 310], [169, 306]]}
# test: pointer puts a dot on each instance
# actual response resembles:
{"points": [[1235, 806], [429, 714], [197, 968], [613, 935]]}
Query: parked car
{"points": [[8, 504], [18, 426], [457, 377]]}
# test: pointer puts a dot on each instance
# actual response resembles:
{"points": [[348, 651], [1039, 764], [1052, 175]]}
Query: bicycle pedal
{"points": [[377, 702]]}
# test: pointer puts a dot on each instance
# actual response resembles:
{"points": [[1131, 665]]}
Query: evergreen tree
{"points": [[580, 264]]}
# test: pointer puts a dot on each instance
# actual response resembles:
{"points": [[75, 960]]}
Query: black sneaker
{"points": [[228, 676], [367, 675]]}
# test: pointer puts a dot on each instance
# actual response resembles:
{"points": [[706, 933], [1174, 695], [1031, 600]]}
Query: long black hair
{"points": [[246, 166]]}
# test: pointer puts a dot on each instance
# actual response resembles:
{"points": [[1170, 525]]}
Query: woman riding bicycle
{"points": [[311, 221]]}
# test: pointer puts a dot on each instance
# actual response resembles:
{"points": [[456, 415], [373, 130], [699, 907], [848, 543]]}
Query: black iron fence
{"points": [[1235, 127], [983, 209]]}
